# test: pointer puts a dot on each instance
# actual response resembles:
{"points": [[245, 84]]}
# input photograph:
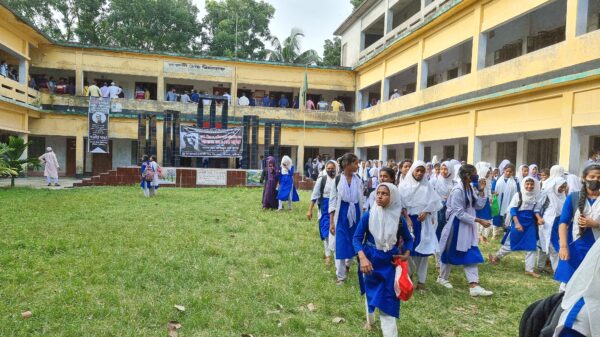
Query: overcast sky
{"points": [[317, 18]]}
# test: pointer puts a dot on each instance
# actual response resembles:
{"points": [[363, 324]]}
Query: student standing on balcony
{"points": [[310, 105], [283, 102], [266, 101], [185, 98], [395, 95], [114, 91], [322, 105], [93, 90], [243, 101], [335, 105], [3, 68]]}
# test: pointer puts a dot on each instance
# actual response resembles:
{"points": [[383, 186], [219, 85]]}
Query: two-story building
{"points": [[467, 79]]}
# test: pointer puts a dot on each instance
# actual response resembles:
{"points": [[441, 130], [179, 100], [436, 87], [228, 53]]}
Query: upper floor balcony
{"points": [[129, 108], [17, 92]]}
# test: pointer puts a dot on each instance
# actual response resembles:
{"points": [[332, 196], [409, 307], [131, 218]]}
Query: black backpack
{"points": [[540, 319]]}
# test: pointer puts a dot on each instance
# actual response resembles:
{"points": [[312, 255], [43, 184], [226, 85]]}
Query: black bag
{"points": [[541, 318]]}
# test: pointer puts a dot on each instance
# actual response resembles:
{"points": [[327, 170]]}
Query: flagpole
{"points": [[303, 107]]}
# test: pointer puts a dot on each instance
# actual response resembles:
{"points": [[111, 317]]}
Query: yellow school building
{"points": [[472, 80]]}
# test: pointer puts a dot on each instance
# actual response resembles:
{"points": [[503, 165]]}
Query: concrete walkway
{"points": [[40, 182]]}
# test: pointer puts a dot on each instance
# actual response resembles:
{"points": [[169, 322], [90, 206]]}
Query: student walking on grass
{"points": [[505, 187], [579, 225], [321, 197], [386, 175], [525, 218], [345, 206], [552, 204], [380, 238], [146, 176], [459, 243], [287, 190], [422, 204]]}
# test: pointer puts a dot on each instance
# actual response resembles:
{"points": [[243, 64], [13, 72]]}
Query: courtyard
{"points": [[105, 261]]}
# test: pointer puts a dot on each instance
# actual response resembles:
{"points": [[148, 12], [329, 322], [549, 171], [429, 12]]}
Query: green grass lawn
{"points": [[108, 262]]}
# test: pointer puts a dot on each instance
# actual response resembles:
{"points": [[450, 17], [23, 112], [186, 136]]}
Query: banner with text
{"points": [[211, 177], [210, 143], [196, 69], [98, 112]]}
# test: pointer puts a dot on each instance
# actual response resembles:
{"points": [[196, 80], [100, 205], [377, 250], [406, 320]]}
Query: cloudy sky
{"points": [[317, 18]]}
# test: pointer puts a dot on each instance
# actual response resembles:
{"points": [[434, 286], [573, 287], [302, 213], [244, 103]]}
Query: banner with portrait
{"points": [[98, 118], [210, 143]]}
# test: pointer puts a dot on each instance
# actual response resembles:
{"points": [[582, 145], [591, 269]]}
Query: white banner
{"points": [[196, 69], [211, 177], [169, 176]]}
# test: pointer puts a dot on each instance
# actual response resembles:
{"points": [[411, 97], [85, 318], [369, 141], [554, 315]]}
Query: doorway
{"points": [[102, 162], [71, 157]]}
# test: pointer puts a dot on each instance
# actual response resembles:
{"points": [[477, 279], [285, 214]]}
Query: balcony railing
{"points": [[411, 23], [18, 92], [79, 104]]}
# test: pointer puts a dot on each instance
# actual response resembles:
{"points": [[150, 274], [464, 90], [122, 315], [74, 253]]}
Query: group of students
{"points": [[418, 210], [278, 182]]}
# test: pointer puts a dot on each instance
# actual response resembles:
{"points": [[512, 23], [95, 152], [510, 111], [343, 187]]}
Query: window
{"points": [[409, 153], [543, 152], [506, 150], [405, 81], [427, 153], [373, 152], [452, 73], [449, 152], [449, 64], [135, 156], [391, 154]]}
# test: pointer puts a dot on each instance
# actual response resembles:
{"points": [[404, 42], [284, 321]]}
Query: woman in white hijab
{"points": [[534, 171], [522, 172], [376, 241], [581, 302], [50, 166], [484, 173], [552, 203], [505, 188], [525, 217], [422, 204], [287, 190]]}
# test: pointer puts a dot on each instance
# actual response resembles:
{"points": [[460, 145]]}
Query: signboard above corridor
{"points": [[196, 69]]}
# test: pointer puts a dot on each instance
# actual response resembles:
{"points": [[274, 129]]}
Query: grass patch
{"points": [[108, 262]]}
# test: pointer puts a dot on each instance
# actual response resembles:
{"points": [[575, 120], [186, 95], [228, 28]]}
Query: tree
{"points": [[5, 170], [356, 3], [12, 152], [289, 50], [154, 25], [237, 28], [332, 50], [157, 25]]}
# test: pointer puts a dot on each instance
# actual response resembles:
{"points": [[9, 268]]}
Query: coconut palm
{"points": [[289, 50], [5, 170], [12, 154]]}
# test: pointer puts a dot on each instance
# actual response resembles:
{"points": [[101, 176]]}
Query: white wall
{"points": [[351, 38], [121, 152]]}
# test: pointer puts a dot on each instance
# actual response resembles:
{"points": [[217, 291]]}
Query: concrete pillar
{"points": [[159, 141], [300, 162], [160, 87], [577, 18], [479, 42], [383, 155], [569, 143], [422, 73], [521, 150], [419, 148], [79, 154], [79, 81], [494, 153], [234, 89]]}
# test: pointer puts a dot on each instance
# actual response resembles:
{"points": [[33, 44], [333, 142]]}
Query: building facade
{"points": [[472, 80]]}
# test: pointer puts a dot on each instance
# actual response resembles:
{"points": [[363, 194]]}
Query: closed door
{"points": [[102, 163], [71, 155]]}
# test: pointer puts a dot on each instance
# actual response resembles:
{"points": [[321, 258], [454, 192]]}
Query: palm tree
{"points": [[12, 154], [5, 169], [289, 50]]}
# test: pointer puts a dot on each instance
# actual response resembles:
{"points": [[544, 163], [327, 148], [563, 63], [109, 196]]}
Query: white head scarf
{"points": [[529, 199], [418, 197], [519, 173], [48, 149], [556, 171], [503, 165], [556, 198], [531, 167], [483, 169], [573, 182], [585, 283], [443, 185], [383, 221], [506, 189], [288, 164]]}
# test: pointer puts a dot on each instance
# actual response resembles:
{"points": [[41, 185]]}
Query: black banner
{"points": [[215, 143], [98, 117]]}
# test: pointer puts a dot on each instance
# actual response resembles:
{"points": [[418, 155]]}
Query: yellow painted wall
{"points": [[371, 138], [529, 116], [458, 31], [444, 128], [586, 107], [498, 11], [370, 76], [13, 118], [400, 134], [404, 59]]}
